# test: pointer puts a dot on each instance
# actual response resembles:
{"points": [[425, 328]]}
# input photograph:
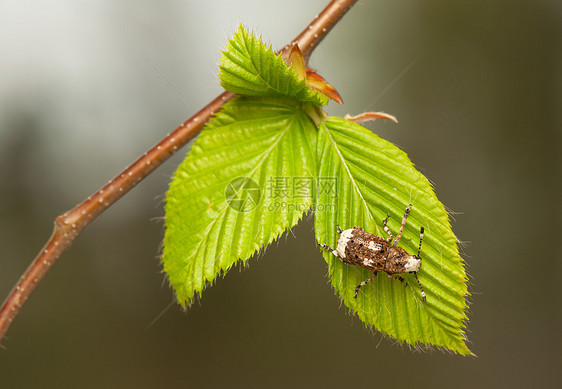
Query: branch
{"points": [[69, 225], [322, 24]]}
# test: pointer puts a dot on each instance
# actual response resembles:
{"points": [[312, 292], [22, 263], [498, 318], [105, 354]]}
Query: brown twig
{"points": [[322, 24], [71, 223]]}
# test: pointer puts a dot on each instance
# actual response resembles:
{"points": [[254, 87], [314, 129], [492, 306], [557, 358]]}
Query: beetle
{"points": [[360, 248]]}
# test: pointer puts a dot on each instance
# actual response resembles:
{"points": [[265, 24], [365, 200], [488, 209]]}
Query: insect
{"points": [[359, 248]]}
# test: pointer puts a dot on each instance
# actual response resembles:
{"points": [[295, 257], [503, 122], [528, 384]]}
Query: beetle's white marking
{"points": [[345, 237], [413, 264], [367, 262], [374, 246]]}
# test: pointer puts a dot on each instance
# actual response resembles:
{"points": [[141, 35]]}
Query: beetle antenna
{"points": [[421, 238]]}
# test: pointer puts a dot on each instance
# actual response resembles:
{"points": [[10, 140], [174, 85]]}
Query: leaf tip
{"points": [[296, 60], [319, 84]]}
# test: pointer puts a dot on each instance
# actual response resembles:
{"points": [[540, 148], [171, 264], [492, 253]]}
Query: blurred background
{"points": [[477, 87]]}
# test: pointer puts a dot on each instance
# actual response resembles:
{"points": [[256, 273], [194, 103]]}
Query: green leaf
{"points": [[249, 68], [375, 178], [220, 207]]}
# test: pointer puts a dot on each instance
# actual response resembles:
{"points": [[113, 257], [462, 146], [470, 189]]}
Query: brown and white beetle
{"points": [[359, 248]]}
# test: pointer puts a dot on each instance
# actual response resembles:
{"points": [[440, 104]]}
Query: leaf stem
{"points": [[69, 225]]}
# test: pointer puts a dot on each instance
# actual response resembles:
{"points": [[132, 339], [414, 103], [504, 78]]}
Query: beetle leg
{"points": [[397, 277], [408, 208], [363, 283], [419, 283], [386, 229], [326, 247]]}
